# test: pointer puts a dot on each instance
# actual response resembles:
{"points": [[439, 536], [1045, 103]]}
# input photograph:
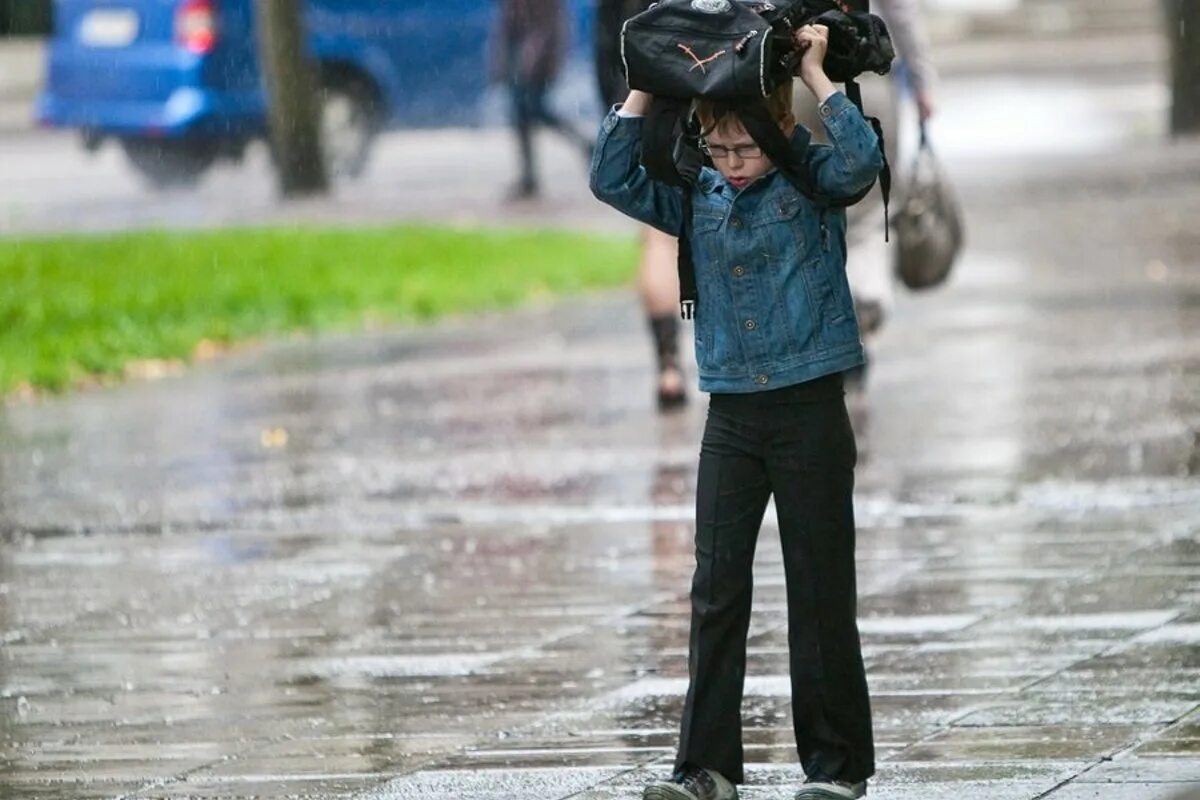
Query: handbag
{"points": [[928, 224]]}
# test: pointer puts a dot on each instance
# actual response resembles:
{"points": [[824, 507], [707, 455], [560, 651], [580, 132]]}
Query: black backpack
{"points": [[736, 53]]}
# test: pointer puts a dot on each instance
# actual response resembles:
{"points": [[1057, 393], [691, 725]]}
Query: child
{"points": [[774, 330]]}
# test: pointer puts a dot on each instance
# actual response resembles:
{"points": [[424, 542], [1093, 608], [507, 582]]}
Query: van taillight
{"points": [[196, 26]]}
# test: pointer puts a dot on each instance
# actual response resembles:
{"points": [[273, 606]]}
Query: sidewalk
{"points": [[451, 563]]}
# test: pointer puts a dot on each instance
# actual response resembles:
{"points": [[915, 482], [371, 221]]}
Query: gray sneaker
{"points": [[824, 789], [692, 783]]}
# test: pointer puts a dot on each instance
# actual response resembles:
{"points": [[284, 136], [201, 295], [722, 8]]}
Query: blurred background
{"points": [[336, 466], [154, 119]]}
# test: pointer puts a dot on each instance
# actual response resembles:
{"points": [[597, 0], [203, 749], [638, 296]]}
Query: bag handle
{"points": [[924, 151], [923, 129], [854, 93]]}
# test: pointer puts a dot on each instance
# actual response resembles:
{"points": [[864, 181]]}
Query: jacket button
{"points": [[739, 271], [751, 324], [762, 380], [735, 223]]}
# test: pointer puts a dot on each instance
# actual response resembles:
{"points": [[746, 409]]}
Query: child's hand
{"points": [[813, 41]]}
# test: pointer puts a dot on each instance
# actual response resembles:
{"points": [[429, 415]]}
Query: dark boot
{"points": [[665, 330]]}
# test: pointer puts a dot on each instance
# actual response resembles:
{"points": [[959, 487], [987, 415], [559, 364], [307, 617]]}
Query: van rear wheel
{"points": [[170, 163], [349, 124]]}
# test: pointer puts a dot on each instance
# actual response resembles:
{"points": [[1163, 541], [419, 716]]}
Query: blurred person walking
{"points": [[529, 44], [658, 281]]}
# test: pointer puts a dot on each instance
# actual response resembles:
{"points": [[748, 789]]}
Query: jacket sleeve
{"points": [[852, 160], [619, 179]]}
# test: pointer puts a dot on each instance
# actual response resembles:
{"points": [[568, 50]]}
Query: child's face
{"points": [[736, 155]]}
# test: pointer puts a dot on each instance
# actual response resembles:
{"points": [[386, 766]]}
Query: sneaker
{"points": [[692, 783], [825, 789]]}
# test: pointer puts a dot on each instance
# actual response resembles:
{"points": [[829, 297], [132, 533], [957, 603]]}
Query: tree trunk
{"points": [[24, 17], [293, 104], [1183, 21]]}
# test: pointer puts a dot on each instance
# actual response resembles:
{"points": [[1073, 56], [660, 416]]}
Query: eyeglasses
{"points": [[747, 152]]}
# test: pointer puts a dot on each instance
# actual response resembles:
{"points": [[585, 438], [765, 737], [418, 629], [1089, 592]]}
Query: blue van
{"points": [[178, 84]]}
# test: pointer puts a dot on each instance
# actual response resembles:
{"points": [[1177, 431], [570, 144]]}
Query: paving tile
{"points": [[497, 784], [1047, 743], [1132, 769], [1127, 791]]}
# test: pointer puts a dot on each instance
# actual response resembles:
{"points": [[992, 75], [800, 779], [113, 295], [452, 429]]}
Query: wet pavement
{"points": [[452, 562]]}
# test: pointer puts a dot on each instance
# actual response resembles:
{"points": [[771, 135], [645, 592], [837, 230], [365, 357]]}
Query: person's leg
{"points": [[731, 496], [811, 459], [522, 117], [658, 285], [546, 116]]}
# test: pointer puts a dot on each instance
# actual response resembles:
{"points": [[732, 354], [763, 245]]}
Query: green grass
{"points": [[81, 306]]}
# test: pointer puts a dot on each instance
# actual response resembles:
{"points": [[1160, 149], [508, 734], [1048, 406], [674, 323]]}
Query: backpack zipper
{"points": [[698, 32], [740, 47]]}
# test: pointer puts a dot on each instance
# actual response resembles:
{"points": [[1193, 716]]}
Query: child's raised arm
{"points": [[618, 177], [851, 160]]}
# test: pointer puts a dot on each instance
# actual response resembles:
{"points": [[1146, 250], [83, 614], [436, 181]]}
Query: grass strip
{"points": [[76, 307]]}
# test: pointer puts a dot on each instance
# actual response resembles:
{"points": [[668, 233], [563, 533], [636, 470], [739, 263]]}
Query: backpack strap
{"points": [[854, 93], [669, 155], [688, 293], [788, 157]]}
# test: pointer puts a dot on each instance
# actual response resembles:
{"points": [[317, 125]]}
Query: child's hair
{"points": [[714, 117]]}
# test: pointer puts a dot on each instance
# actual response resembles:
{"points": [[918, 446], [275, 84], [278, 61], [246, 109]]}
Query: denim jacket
{"points": [[774, 303]]}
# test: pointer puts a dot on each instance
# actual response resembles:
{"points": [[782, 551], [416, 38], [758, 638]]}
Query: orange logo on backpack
{"points": [[701, 63]]}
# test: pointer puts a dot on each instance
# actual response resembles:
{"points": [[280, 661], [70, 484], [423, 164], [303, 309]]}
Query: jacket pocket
{"points": [[706, 237], [834, 321], [783, 206], [716, 346], [784, 234], [827, 303]]}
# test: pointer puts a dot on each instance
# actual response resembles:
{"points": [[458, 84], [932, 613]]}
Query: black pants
{"points": [[795, 443]]}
